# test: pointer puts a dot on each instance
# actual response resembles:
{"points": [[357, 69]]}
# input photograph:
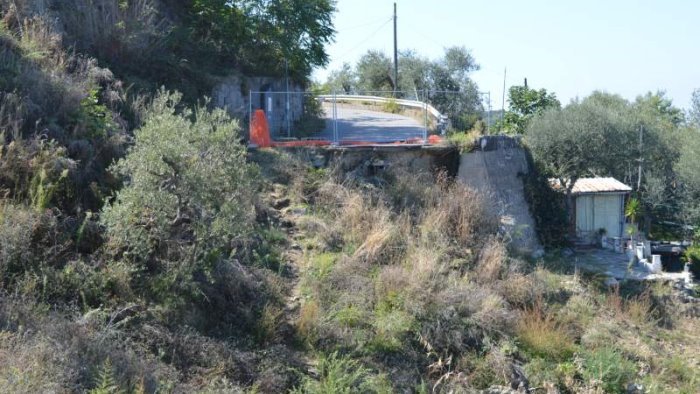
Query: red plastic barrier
{"points": [[290, 144], [260, 130], [435, 139]]}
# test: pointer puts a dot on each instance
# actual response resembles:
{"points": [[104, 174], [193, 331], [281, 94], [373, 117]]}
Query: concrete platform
{"points": [[615, 265]]}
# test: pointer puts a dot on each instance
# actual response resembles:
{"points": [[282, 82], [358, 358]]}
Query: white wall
{"points": [[596, 211]]}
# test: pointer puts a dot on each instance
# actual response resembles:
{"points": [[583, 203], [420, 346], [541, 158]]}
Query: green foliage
{"points": [[525, 103], [42, 189], [688, 169], [374, 72], [261, 35], [339, 374], [322, 264], [547, 208], [445, 83], [188, 197], [608, 369], [465, 142], [312, 119], [392, 107], [572, 142], [341, 81], [105, 383], [694, 113], [392, 327], [93, 119], [632, 209], [599, 136], [692, 255]]}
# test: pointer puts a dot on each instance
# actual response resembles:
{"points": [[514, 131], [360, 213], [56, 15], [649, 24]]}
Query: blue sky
{"points": [[569, 47]]}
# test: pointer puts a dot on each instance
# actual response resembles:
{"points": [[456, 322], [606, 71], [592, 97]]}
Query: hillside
{"points": [[143, 249]]}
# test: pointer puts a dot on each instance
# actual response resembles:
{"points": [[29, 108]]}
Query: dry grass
{"points": [[492, 262], [457, 214], [543, 336], [42, 351], [12, 113], [637, 309]]}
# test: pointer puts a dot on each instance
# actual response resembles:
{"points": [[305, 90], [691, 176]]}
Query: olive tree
{"points": [[688, 169], [583, 139], [188, 193], [600, 136], [694, 112]]}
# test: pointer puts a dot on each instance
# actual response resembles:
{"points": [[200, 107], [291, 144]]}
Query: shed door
{"points": [[584, 215], [607, 213]]}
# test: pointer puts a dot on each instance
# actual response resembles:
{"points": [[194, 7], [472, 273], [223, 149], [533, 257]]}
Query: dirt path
{"points": [[292, 257]]}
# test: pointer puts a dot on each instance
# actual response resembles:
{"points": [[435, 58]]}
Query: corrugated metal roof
{"points": [[596, 185]]}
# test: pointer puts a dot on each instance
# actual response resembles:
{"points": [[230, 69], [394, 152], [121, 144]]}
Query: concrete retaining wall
{"points": [[233, 94], [496, 168]]}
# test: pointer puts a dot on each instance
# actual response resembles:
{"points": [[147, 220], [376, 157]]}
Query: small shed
{"points": [[599, 203]]}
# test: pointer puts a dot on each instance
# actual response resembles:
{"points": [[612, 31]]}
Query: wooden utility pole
{"points": [[503, 103], [641, 157], [396, 56]]}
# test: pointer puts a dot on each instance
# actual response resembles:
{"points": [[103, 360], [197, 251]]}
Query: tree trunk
{"points": [[569, 202]]}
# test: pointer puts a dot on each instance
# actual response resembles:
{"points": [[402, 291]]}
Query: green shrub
{"points": [[465, 142], [607, 368], [351, 316], [339, 374], [105, 383], [322, 264], [692, 254], [16, 231], [541, 372], [391, 329], [677, 372], [546, 206], [313, 118], [188, 199], [93, 119], [392, 107]]}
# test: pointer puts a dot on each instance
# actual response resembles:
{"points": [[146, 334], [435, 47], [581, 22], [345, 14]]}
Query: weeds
{"points": [[608, 369], [465, 142], [338, 374], [541, 335]]}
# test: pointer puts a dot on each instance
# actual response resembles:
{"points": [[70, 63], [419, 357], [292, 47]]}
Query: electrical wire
{"points": [[374, 33], [362, 25]]}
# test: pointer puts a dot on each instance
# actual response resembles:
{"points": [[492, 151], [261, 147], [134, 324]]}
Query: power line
{"points": [[374, 33], [362, 25]]}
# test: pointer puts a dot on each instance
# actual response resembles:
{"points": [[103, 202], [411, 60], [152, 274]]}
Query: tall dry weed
{"points": [[458, 213], [542, 335], [492, 261], [12, 113]]}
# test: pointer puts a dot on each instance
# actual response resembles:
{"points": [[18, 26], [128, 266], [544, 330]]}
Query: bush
{"points": [[692, 254], [313, 118], [338, 374], [546, 206], [391, 106], [608, 369], [465, 142], [188, 200]]}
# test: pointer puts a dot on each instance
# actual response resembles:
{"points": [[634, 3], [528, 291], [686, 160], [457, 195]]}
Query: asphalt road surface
{"points": [[371, 126]]}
